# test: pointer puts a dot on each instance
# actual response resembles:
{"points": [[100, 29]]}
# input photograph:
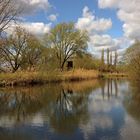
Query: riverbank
{"points": [[113, 75], [33, 78], [25, 78]]}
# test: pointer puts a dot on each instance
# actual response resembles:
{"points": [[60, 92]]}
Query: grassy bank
{"points": [[25, 78], [31, 78], [113, 75]]}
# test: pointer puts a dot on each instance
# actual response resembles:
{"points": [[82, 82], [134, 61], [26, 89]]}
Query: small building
{"points": [[69, 65]]}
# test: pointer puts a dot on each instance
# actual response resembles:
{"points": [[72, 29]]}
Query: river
{"points": [[86, 110]]}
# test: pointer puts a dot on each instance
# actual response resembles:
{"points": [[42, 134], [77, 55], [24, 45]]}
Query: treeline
{"points": [[22, 50], [132, 59], [110, 63]]}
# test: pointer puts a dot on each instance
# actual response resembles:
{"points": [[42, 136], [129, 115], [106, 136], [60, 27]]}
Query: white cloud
{"points": [[101, 40], [52, 17], [128, 11], [108, 3], [37, 28], [105, 41], [32, 6], [96, 27], [89, 22]]}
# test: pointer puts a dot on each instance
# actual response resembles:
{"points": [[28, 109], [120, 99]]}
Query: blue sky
{"points": [[71, 10], [112, 24]]}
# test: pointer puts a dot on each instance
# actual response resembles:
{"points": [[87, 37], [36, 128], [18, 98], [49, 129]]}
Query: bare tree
{"points": [[115, 59], [102, 67], [102, 57], [66, 41], [132, 57], [108, 53], [9, 11], [13, 48], [33, 53], [110, 58]]}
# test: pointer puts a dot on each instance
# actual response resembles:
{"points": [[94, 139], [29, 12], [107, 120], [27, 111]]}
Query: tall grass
{"points": [[27, 78], [80, 74], [113, 75]]}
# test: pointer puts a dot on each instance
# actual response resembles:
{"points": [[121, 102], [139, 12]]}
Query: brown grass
{"points": [[80, 74], [28, 78], [113, 75]]}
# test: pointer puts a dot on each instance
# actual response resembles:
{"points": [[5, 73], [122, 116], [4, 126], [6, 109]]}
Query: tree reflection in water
{"points": [[70, 109], [63, 103], [18, 105], [132, 101], [64, 100], [92, 108], [109, 88]]}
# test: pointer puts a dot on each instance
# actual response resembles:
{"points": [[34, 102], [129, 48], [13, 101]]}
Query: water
{"points": [[89, 110]]}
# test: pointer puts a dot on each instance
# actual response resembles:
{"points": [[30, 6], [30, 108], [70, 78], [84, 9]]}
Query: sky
{"points": [[112, 24]]}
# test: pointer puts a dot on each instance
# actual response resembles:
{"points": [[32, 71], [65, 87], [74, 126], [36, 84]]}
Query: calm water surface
{"points": [[89, 110]]}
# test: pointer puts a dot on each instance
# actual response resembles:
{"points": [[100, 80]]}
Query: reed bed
{"points": [[30, 78]]}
